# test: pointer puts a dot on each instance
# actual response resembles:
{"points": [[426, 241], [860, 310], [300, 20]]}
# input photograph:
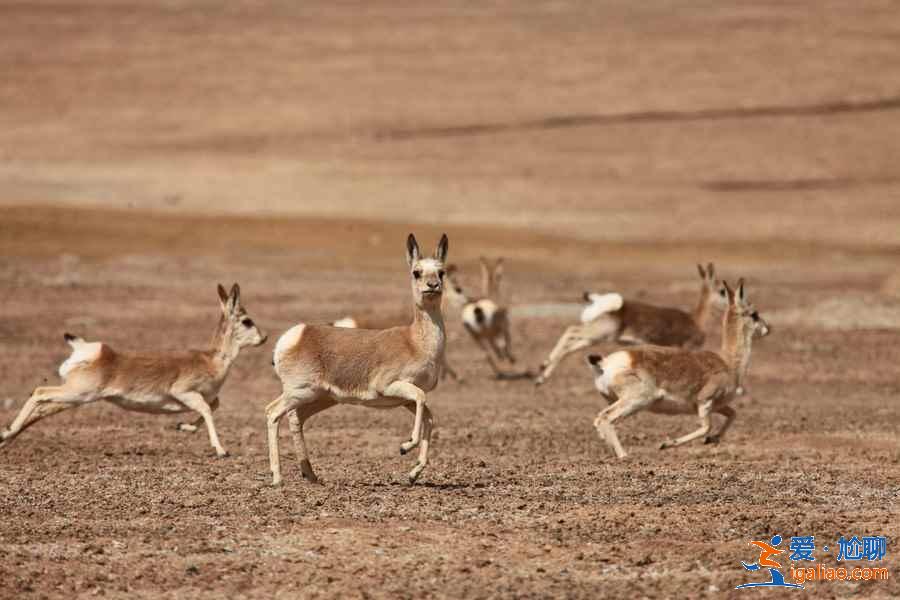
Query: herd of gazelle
{"points": [[395, 365]]}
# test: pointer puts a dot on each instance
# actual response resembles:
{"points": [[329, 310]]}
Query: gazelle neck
{"points": [[428, 328], [737, 340], [703, 310], [455, 299], [223, 348]]}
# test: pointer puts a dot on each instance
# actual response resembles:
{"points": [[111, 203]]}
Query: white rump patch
{"points": [[346, 322], [84, 353], [488, 307], [612, 365], [601, 304], [288, 340]]}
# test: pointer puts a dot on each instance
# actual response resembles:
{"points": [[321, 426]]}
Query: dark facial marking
{"points": [[417, 274], [247, 322]]}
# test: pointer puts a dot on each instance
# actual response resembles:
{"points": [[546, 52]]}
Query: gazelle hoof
{"points": [[711, 439], [406, 447], [307, 472], [666, 444], [222, 454], [414, 474]]}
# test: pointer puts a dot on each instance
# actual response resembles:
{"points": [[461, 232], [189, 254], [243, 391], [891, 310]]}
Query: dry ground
{"points": [[149, 150]]}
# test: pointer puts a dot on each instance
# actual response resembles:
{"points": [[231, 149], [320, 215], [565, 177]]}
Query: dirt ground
{"points": [[150, 150]]}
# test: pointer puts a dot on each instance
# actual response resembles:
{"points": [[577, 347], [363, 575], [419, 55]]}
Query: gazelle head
{"points": [[491, 277], [427, 274], [238, 327], [454, 293], [741, 316], [713, 288]]}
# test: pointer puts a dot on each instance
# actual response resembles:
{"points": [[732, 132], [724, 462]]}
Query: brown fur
{"points": [[637, 322], [378, 321], [657, 325], [673, 381]]}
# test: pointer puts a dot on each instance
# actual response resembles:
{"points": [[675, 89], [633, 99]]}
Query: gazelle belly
{"points": [[148, 403]]}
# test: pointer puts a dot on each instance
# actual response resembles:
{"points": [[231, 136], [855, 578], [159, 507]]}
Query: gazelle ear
{"points": [[729, 292], [235, 296], [412, 250], [485, 276], [498, 268], [223, 298], [741, 296], [440, 253], [701, 271], [711, 271]]}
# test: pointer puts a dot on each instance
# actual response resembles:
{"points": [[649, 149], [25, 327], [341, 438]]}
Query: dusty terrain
{"points": [[150, 150]]}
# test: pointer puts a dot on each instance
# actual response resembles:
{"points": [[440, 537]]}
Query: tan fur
{"points": [[485, 319], [320, 366], [157, 383], [386, 321], [640, 323], [678, 381]]}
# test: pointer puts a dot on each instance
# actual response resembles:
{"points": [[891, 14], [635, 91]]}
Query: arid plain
{"points": [[151, 150]]}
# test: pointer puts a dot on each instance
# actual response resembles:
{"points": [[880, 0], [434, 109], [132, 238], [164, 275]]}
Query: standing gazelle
{"points": [[321, 366], [160, 383], [676, 381], [608, 317]]}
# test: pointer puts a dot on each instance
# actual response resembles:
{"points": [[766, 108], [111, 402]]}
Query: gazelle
{"points": [[676, 381], [485, 319], [159, 383], [608, 317], [320, 366]]}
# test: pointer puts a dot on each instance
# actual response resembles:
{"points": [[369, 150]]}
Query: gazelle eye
{"points": [[754, 315], [722, 293], [247, 322], [417, 274]]}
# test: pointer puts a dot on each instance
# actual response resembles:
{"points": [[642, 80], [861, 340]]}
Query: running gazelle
{"points": [[320, 366], [610, 318], [485, 319], [676, 381], [158, 382]]}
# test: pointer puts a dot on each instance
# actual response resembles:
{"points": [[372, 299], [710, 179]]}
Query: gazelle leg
{"points": [[630, 401], [276, 409], [408, 391], [296, 419], [703, 412], [507, 342], [44, 401], [192, 427], [570, 341], [497, 350], [730, 414], [487, 352], [196, 402], [447, 370], [428, 425]]}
